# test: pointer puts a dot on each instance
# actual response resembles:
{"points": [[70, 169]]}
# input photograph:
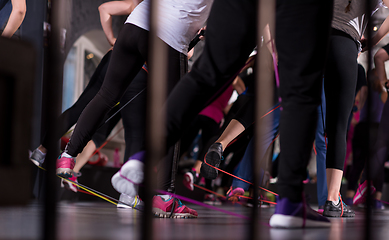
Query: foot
{"points": [[213, 158], [38, 157], [296, 215], [70, 186], [337, 210], [130, 202], [65, 165], [130, 175], [234, 194], [189, 179], [165, 206], [360, 196], [211, 199], [320, 209], [377, 205]]}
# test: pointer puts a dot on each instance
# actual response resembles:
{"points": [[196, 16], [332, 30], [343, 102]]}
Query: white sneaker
{"points": [[38, 157], [130, 202], [130, 175]]}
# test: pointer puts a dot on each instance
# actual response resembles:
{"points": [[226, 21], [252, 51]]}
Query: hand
{"points": [[202, 36]]}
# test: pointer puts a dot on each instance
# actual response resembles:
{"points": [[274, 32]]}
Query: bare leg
{"points": [[84, 156], [197, 166], [350, 193], [379, 60], [42, 149], [334, 180], [233, 129]]}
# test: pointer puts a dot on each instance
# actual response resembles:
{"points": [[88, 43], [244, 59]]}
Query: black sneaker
{"points": [[339, 210], [213, 157]]}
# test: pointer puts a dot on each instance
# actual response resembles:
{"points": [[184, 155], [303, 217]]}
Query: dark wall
{"points": [[84, 18]]}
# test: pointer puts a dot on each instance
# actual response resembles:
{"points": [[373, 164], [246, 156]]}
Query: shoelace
{"points": [[341, 204], [174, 206]]}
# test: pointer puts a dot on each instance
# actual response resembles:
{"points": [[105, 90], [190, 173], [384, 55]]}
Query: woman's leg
{"points": [[340, 83], [128, 56], [69, 117]]}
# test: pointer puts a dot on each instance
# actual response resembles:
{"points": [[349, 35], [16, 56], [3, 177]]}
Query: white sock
{"points": [[336, 202], [65, 154], [44, 154], [164, 197]]}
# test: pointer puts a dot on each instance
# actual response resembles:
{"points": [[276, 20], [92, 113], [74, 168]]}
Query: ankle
{"points": [[67, 155], [42, 149]]}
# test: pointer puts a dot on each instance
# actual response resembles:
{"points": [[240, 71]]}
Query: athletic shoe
{"points": [[127, 202], [211, 199], [38, 157], [233, 195], [65, 166], [262, 204], [213, 157], [166, 206], [377, 204], [338, 210], [320, 209], [296, 215], [68, 185], [360, 196], [130, 175], [189, 179]]}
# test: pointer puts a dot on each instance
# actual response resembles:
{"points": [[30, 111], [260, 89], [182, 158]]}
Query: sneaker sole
{"points": [[207, 171], [35, 162], [123, 206], [161, 214], [132, 170], [283, 221], [337, 214], [68, 186], [64, 172]]}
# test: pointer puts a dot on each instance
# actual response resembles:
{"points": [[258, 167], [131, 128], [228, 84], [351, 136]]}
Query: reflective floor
{"points": [[100, 220]]}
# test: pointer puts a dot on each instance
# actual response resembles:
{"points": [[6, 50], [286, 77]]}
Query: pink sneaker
{"points": [[68, 185], [233, 195], [189, 179], [163, 208], [65, 166], [360, 196]]}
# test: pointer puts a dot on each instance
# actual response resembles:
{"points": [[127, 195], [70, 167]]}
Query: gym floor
{"points": [[102, 220]]}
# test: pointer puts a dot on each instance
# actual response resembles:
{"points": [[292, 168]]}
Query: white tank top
{"points": [[179, 20]]}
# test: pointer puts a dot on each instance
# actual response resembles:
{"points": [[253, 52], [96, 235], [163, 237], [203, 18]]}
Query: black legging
{"points": [[301, 44], [339, 84], [128, 56], [69, 117], [133, 114]]}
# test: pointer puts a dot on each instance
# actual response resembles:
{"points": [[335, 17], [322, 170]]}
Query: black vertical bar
{"points": [[176, 154], [52, 97], [155, 119], [368, 34], [263, 101]]}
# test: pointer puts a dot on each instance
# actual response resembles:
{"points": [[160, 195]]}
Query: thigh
{"points": [[128, 56]]}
